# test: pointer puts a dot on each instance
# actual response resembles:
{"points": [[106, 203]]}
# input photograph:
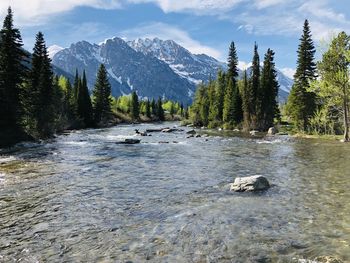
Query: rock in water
{"points": [[129, 141], [251, 183], [272, 131], [191, 132]]}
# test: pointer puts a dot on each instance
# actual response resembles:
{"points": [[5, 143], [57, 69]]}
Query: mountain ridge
{"points": [[152, 67]]}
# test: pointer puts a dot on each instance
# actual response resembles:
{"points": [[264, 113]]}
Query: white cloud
{"points": [[196, 6], [289, 72], [34, 12], [260, 4], [166, 32]]}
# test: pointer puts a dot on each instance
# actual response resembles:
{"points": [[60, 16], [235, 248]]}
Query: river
{"points": [[83, 198]]}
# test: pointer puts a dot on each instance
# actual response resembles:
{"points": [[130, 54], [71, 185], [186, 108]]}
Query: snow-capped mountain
{"points": [[195, 68], [128, 69], [152, 67], [53, 50]]}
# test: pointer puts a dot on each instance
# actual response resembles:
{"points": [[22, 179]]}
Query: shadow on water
{"points": [[81, 197]]}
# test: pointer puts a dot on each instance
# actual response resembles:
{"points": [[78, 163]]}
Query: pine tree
{"points": [[12, 74], [232, 112], [84, 106], [220, 93], [228, 103], [232, 63], [101, 94], [254, 87], [246, 101], [302, 103], [154, 107], [268, 93], [40, 108], [76, 86], [148, 109], [135, 106], [160, 110], [213, 117]]}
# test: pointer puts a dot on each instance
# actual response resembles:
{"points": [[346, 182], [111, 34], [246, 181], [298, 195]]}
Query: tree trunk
{"points": [[346, 119]]}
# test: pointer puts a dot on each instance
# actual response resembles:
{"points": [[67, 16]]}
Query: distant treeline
{"points": [[249, 103]]}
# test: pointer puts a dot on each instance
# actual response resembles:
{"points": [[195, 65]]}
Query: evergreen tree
{"points": [[213, 117], [268, 91], [302, 103], [232, 111], [41, 111], [220, 93], [228, 103], [232, 63], [172, 109], [246, 101], [154, 107], [84, 106], [135, 106], [160, 110], [76, 86], [254, 87], [102, 96], [148, 109], [12, 73]]}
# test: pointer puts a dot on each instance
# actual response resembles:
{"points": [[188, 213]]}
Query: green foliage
{"points": [[84, 105], [267, 107], [135, 106], [333, 86], [160, 110], [41, 93], [101, 97]]}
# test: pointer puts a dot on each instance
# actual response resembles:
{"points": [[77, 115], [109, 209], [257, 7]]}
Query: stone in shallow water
{"points": [[251, 183]]}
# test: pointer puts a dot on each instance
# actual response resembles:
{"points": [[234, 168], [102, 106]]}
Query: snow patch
{"points": [[53, 50], [111, 73]]}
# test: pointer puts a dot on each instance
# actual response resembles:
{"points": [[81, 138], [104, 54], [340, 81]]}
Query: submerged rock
{"points": [[129, 141], [251, 183]]}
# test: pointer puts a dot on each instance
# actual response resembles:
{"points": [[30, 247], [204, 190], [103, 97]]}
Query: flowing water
{"points": [[83, 198]]}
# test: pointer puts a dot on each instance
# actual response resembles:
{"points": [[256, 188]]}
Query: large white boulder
{"points": [[251, 183]]}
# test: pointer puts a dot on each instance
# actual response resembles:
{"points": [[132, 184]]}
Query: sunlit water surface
{"points": [[81, 197]]}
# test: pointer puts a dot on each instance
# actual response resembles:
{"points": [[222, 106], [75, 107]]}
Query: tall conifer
{"points": [[12, 73], [301, 103]]}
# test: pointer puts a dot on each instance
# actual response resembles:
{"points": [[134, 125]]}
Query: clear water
{"points": [[81, 197]]}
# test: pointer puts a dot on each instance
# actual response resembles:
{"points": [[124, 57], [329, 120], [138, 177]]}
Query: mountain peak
{"points": [[53, 50]]}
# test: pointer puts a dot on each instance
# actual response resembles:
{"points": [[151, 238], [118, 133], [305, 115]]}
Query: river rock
{"points": [[156, 130], [191, 132], [129, 141], [253, 133], [272, 131], [198, 136], [251, 183]]}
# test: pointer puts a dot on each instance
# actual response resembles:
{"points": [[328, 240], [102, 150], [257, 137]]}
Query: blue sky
{"points": [[202, 26]]}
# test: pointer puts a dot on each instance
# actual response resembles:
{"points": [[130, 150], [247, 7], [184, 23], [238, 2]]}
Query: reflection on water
{"points": [[81, 197]]}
